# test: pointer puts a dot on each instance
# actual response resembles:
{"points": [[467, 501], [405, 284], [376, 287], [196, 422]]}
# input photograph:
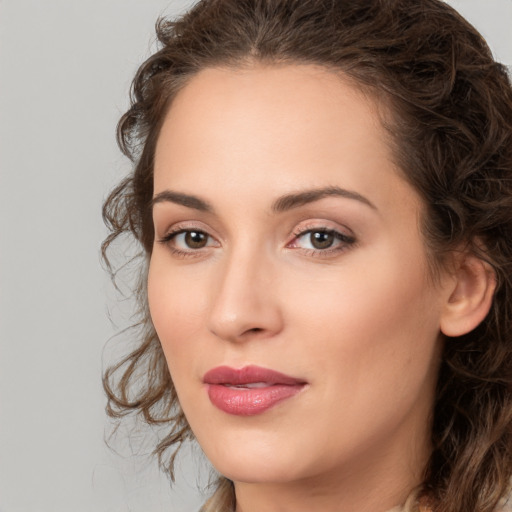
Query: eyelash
{"points": [[345, 242], [180, 253]]}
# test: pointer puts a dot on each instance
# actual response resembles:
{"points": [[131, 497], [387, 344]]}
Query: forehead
{"points": [[288, 124], [268, 99]]}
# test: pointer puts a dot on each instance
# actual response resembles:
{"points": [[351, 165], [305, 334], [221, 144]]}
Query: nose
{"points": [[244, 301]]}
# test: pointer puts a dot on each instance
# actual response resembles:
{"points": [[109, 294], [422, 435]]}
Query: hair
{"points": [[451, 134]]}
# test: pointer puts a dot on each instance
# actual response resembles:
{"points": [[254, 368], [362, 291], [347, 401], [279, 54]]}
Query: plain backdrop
{"points": [[65, 70]]}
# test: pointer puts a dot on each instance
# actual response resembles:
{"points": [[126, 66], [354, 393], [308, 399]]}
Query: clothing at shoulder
{"points": [[506, 505], [411, 505]]}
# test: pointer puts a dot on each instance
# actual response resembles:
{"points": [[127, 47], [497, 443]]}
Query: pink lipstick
{"points": [[249, 390]]}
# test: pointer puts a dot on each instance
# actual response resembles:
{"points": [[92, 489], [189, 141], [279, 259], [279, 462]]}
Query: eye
{"points": [[188, 241], [191, 239], [322, 240]]}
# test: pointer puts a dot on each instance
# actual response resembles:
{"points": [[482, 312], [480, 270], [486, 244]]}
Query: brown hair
{"points": [[451, 130]]}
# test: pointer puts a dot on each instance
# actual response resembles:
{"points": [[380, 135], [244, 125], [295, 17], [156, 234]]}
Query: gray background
{"points": [[65, 69]]}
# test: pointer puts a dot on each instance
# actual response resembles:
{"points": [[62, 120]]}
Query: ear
{"points": [[470, 296]]}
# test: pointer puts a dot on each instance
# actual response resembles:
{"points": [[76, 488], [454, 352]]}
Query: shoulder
{"points": [[415, 505], [506, 504]]}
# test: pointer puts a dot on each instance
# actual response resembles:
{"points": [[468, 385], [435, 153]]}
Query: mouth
{"points": [[249, 390]]}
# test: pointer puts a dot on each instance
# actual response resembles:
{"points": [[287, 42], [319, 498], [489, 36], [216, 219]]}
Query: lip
{"points": [[249, 390]]}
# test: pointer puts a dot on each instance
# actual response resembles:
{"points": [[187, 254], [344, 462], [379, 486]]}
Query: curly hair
{"points": [[451, 134]]}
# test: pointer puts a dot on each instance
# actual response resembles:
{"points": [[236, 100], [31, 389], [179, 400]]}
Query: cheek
{"points": [[370, 344], [177, 306], [376, 319]]}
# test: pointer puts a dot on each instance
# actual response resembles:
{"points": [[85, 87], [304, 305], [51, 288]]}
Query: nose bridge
{"points": [[243, 302]]}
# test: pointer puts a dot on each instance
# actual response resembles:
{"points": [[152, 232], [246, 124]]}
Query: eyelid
{"points": [[345, 240], [322, 225], [187, 225], [179, 228]]}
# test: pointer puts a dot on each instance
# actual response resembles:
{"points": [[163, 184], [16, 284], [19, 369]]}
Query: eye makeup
{"points": [[312, 239]]}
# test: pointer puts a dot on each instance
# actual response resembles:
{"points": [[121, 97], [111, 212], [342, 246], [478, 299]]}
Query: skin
{"points": [[359, 321]]}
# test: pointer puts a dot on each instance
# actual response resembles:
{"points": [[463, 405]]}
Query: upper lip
{"points": [[248, 375]]}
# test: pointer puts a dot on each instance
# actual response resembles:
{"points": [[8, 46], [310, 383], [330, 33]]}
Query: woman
{"points": [[322, 191]]}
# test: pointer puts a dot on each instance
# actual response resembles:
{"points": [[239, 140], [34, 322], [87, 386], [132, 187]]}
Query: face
{"points": [[288, 282]]}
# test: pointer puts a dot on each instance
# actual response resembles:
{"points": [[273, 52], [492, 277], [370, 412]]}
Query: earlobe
{"points": [[470, 298]]}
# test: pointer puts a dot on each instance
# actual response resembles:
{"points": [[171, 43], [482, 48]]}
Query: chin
{"points": [[254, 460], [255, 471]]}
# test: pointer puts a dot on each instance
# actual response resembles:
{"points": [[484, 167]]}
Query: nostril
{"points": [[253, 332]]}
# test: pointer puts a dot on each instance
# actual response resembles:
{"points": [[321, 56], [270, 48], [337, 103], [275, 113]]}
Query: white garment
{"points": [[411, 505]]}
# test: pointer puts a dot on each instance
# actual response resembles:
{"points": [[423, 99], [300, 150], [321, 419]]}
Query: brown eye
{"points": [[321, 239], [189, 241], [196, 239]]}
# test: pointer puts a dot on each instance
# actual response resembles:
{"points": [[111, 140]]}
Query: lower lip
{"points": [[250, 401]]}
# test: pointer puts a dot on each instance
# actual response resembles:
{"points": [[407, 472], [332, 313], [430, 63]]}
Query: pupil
{"points": [[322, 240], [195, 239]]}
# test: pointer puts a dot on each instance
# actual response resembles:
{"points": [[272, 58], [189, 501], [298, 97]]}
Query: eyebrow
{"points": [[281, 204], [183, 199], [290, 201]]}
